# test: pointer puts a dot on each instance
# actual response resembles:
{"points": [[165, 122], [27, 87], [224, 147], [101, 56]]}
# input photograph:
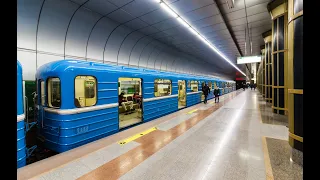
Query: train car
{"points": [[21, 144], [80, 101]]}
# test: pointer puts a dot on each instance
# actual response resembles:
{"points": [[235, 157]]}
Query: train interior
{"points": [[194, 86], [130, 101]]}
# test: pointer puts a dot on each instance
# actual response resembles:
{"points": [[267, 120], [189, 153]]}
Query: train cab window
{"points": [[85, 91], [194, 86], [54, 92], [162, 87], [43, 95]]}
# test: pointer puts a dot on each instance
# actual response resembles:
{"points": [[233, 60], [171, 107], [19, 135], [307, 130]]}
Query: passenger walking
{"points": [[216, 93], [251, 86], [206, 91]]}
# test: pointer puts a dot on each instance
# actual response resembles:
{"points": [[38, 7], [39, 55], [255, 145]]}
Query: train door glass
{"points": [[210, 86], [41, 96], [182, 98], [202, 95], [130, 101]]}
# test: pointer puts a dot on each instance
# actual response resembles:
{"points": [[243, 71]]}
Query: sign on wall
{"points": [[248, 59]]}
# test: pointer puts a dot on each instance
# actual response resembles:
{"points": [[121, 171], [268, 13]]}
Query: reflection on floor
{"points": [[268, 117], [129, 119], [282, 166]]}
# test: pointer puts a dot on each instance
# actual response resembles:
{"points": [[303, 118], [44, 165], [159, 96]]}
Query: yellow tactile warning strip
{"points": [[190, 112], [134, 137], [267, 163]]}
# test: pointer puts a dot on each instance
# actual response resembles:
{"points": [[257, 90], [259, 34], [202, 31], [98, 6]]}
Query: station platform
{"points": [[237, 138]]}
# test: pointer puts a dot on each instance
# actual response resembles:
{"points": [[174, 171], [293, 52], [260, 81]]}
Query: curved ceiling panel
{"points": [[113, 43], [78, 32], [152, 57], [98, 37], [127, 47], [27, 13], [53, 23], [137, 49], [131, 32], [146, 53]]}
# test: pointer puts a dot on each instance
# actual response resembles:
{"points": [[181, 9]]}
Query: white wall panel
{"points": [[45, 58], [28, 62]]}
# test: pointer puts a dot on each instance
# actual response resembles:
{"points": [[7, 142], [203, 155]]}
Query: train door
{"points": [[39, 100], [202, 95], [182, 98], [130, 101], [210, 87]]}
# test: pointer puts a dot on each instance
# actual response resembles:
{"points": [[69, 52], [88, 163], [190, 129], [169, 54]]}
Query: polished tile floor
{"points": [[207, 141]]}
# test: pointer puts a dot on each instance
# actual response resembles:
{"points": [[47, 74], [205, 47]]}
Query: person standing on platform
{"points": [[206, 91], [216, 93]]}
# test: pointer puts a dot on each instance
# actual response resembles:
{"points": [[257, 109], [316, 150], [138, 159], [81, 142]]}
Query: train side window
{"points": [[54, 92], [85, 91], [194, 86], [162, 87], [43, 95]]}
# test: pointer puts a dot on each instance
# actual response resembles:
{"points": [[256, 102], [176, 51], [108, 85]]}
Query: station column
{"points": [[279, 55], [263, 61], [295, 77], [267, 66]]}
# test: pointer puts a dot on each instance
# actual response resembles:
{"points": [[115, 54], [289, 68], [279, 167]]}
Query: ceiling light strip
{"points": [[193, 31]]}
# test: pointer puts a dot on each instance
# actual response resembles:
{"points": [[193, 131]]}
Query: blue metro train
{"points": [[79, 101], [21, 144]]}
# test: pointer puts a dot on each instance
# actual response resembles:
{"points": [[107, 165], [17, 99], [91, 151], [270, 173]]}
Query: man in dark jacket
{"points": [[216, 93], [206, 91]]}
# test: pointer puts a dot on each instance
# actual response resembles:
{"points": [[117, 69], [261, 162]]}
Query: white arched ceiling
{"points": [[50, 30]]}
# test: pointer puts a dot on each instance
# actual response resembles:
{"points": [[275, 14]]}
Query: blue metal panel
{"points": [[158, 108], [19, 89], [65, 132], [21, 143], [193, 99]]}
